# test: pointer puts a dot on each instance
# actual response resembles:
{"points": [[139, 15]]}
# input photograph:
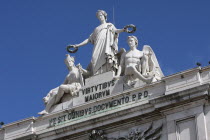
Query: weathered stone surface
{"points": [[186, 109], [70, 87]]}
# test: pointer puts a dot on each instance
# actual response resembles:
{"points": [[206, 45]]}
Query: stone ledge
{"points": [[157, 104], [132, 113]]}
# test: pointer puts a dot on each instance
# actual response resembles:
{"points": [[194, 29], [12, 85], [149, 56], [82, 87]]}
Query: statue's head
{"points": [[69, 61], [132, 38], [101, 12]]}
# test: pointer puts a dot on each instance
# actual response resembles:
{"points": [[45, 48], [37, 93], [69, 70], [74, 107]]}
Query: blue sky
{"points": [[34, 35]]}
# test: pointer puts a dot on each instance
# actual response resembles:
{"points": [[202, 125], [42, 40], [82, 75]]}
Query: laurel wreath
{"points": [[68, 48], [130, 26]]}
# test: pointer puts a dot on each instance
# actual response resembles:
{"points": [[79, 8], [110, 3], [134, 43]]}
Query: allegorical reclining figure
{"points": [[135, 64], [72, 85]]}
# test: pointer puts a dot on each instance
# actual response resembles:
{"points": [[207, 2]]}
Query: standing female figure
{"points": [[105, 41]]}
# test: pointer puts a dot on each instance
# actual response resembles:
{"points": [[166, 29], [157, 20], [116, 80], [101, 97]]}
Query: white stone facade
{"points": [[174, 108]]}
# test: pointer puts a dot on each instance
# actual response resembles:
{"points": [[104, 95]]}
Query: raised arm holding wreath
{"points": [[105, 41]]}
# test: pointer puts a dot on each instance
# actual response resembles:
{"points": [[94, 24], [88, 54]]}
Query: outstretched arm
{"points": [[83, 71], [86, 41], [120, 30]]}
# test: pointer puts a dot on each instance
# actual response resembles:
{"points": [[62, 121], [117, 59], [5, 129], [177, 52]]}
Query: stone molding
{"points": [[157, 106]]}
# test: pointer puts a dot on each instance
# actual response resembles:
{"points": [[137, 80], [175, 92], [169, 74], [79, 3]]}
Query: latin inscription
{"points": [[97, 91], [73, 114]]}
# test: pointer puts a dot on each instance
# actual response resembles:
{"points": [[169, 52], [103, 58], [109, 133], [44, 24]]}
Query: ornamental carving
{"points": [[97, 135], [137, 134], [149, 133]]}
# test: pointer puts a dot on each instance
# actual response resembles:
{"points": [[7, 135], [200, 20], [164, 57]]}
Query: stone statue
{"points": [[141, 65], [72, 85], [105, 41]]}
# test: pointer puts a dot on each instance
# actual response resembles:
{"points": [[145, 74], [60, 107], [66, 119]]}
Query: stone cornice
{"points": [[174, 92], [163, 104]]}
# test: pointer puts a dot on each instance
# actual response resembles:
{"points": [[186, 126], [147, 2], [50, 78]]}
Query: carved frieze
{"points": [[97, 135], [137, 134]]}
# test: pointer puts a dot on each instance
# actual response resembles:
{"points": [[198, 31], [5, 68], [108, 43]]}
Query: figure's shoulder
{"points": [[140, 52], [110, 24], [135, 53], [124, 54]]}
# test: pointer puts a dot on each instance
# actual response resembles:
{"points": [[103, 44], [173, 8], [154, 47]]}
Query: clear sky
{"points": [[34, 35]]}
